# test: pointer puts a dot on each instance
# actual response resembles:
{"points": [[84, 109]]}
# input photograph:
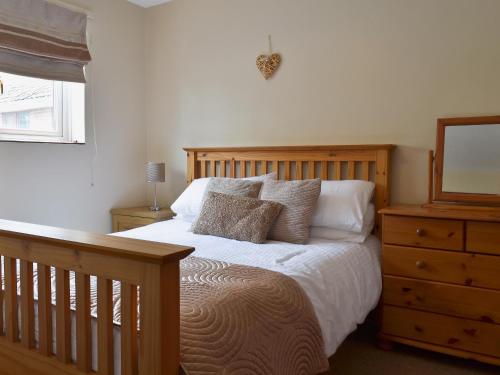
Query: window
{"points": [[39, 110]]}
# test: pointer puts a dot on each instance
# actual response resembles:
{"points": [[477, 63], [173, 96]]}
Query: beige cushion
{"points": [[262, 177], [237, 218], [299, 200], [233, 186], [188, 205]]}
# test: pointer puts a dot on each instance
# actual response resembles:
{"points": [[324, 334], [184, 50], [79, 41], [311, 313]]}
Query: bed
{"points": [[341, 279], [142, 259]]}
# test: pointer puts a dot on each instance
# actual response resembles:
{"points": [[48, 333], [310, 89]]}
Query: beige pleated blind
{"points": [[43, 40]]}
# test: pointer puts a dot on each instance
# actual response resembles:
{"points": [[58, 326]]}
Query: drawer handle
{"points": [[470, 331], [487, 319], [420, 232], [452, 341], [420, 298], [418, 328], [421, 264]]}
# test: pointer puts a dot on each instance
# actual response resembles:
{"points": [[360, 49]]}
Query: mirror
{"points": [[468, 160], [472, 159]]}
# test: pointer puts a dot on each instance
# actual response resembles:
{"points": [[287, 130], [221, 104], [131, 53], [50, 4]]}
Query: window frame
{"points": [[64, 117]]}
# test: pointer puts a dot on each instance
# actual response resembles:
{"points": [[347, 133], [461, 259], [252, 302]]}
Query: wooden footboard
{"points": [[146, 270]]}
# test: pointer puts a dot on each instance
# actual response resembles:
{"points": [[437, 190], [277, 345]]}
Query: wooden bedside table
{"points": [[130, 218]]}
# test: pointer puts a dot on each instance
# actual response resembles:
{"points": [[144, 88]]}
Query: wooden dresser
{"points": [[441, 275]]}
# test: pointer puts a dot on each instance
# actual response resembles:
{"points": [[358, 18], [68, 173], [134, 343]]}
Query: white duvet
{"points": [[342, 279]]}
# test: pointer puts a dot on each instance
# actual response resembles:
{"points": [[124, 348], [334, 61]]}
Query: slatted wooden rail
{"points": [[153, 268], [362, 162]]}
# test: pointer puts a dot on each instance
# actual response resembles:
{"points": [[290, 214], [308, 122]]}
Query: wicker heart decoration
{"points": [[268, 64]]}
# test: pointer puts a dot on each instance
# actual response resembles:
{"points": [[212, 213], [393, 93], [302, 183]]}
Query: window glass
{"points": [[33, 109]]}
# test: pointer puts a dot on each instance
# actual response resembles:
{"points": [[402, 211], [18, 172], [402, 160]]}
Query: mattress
{"points": [[342, 279]]}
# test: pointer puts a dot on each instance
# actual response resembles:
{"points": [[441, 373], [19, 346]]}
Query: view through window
{"points": [[39, 110]]}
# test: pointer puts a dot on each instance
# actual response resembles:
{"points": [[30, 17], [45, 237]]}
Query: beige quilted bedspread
{"points": [[239, 320], [245, 320]]}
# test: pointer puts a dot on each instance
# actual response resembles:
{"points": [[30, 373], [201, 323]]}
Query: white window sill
{"points": [[6, 138]]}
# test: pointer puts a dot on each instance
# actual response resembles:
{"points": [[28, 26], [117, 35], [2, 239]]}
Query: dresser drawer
{"points": [[483, 237], [442, 330], [423, 232], [460, 301], [445, 266]]}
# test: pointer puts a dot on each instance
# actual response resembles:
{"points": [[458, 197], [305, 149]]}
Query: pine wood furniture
{"points": [[363, 162], [153, 267], [444, 196], [441, 280], [130, 218]]}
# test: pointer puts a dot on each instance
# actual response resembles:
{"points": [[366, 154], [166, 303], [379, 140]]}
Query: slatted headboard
{"points": [[361, 162]]}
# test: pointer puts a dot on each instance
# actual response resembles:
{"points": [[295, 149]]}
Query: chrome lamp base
{"points": [[155, 207]]}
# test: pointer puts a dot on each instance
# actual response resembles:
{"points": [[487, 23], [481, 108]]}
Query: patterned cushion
{"points": [[233, 186], [262, 177], [237, 218], [299, 199]]}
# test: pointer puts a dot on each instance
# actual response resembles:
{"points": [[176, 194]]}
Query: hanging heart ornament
{"points": [[268, 64]]}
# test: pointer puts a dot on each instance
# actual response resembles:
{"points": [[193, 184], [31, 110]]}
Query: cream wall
{"points": [[51, 184], [353, 72], [183, 74]]}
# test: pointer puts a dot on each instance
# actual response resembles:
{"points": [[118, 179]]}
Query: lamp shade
{"points": [[155, 172]]}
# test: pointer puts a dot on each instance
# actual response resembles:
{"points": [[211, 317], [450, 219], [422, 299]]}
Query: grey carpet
{"points": [[359, 355]]}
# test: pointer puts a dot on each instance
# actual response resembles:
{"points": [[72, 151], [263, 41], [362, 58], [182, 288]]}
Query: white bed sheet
{"points": [[342, 280]]}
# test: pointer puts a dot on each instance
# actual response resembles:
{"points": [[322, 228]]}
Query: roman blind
{"points": [[43, 40]]}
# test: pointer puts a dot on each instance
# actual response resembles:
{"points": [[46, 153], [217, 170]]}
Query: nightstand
{"points": [[130, 218]]}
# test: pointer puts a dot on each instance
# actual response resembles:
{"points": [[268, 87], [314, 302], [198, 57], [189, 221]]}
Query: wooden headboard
{"points": [[358, 162]]}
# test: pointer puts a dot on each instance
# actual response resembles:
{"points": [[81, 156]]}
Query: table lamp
{"points": [[155, 172]]}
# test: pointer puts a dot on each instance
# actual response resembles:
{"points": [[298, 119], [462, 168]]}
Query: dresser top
{"points": [[442, 211]]}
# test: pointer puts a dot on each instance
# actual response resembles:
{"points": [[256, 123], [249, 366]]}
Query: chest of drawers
{"points": [[441, 276]]}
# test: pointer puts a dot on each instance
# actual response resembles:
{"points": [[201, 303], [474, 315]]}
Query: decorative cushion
{"points": [[188, 204], [299, 199], [236, 217], [263, 177], [233, 186]]}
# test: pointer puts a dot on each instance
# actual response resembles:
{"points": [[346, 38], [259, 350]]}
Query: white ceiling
{"points": [[148, 3]]}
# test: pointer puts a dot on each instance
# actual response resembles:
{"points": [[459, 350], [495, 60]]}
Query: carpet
{"points": [[359, 355]]}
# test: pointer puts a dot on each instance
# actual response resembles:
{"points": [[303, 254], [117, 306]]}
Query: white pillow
{"points": [[188, 204], [342, 204], [343, 235]]}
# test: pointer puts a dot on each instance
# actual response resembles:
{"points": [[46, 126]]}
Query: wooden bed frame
{"points": [[143, 268], [358, 162]]}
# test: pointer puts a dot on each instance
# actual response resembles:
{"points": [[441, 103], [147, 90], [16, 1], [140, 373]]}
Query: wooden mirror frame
{"points": [[457, 197]]}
